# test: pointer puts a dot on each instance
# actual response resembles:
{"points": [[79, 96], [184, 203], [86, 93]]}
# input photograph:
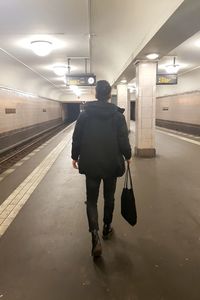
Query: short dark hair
{"points": [[103, 90]]}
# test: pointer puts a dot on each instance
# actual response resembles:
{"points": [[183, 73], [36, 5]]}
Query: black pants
{"points": [[92, 189]]}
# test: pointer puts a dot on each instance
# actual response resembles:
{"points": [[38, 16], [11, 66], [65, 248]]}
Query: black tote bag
{"points": [[128, 207]]}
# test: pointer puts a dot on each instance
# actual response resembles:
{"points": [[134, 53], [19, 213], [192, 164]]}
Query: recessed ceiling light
{"points": [[123, 81], [132, 85], [131, 89], [41, 48], [60, 70], [152, 56]]}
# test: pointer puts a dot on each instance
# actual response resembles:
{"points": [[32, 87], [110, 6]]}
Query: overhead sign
{"points": [[167, 79], [81, 80]]}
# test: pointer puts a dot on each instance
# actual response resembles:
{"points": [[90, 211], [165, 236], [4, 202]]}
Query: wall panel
{"points": [[29, 110], [183, 108]]}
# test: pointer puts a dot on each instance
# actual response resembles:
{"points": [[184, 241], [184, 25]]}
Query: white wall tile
{"points": [[145, 108], [29, 111]]}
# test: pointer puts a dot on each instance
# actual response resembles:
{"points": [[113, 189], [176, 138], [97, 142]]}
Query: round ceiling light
{"points": [[60, 70], [172, 69], [152, 56], [41, 48]]}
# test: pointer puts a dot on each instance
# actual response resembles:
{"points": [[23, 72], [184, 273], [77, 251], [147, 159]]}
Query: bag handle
{"points": [[128, 177]]}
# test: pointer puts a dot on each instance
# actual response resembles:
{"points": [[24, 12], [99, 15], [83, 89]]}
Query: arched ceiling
{"points": [[121, 30], [65, 23], [111, 33]]}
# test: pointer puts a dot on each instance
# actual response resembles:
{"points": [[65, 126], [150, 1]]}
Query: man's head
{"points": [[103, 90]]}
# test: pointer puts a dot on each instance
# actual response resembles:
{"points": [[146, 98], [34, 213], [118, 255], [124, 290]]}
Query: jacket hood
{"points": [[102, 110]]}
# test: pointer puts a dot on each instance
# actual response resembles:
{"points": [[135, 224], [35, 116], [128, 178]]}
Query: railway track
{"points": [[15, 154]]}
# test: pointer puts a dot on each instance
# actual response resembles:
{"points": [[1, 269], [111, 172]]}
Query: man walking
{"points": [[99, 146]]}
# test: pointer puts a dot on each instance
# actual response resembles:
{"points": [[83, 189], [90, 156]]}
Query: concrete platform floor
{"points": [[45, 252]]}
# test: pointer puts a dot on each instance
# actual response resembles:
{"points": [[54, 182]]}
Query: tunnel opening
{"points": [[71, 112]]}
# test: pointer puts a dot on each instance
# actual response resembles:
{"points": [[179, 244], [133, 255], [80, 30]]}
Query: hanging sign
{"points": [[167, 79], [81, 80]]}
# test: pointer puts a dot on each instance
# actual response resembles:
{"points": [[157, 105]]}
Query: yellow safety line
{"points": [[14, 203]]}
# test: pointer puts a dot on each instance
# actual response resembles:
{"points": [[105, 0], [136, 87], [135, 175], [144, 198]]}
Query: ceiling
{"points": [[112, 34], [66, 46], [44, 17], [182, 25], [64, 23], [187, 55]]}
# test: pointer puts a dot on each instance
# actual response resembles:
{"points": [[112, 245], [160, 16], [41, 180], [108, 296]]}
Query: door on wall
{"points": [[133, 110]]}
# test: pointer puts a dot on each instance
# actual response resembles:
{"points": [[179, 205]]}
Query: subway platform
{"points": [[45, 245]]}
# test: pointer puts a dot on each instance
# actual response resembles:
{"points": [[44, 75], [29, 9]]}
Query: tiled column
{"points": [[123, 101], [145, 109]]}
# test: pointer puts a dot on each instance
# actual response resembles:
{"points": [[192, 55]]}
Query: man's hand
{"points": [[75, 164]]}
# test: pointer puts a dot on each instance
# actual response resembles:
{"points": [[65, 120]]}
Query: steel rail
{"points": [[6, 159]]}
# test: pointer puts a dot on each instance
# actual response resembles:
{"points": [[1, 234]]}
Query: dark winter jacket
{"points": [[100, 141]]}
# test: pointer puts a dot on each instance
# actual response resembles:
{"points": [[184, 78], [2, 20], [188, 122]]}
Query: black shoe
{"points": [[107, 231], [96, 245]]}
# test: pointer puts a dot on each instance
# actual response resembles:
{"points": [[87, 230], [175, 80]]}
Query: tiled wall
{"points": [[145, 105], [29, 110], [181, 108]]}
